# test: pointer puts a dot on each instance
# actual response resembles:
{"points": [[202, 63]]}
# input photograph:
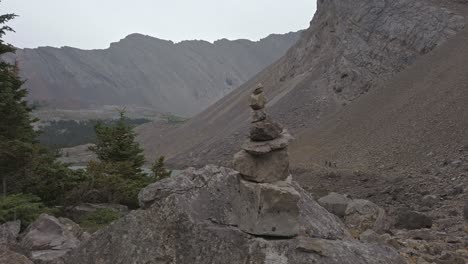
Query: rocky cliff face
{"points": [[182, 78], [350, 47]]}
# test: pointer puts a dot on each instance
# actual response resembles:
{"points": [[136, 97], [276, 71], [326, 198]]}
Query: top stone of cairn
{"points": [[258, 99]]}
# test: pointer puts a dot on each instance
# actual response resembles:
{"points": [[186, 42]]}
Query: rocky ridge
{"points": [[141, 71]]}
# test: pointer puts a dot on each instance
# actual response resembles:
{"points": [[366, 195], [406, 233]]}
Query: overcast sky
{"points": [[91, 24]]}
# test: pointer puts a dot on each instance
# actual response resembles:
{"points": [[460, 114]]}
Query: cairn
{"points": [[269, 204]]}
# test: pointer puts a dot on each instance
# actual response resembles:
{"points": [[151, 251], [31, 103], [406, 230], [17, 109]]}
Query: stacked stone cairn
{"points": [[268, 203]]}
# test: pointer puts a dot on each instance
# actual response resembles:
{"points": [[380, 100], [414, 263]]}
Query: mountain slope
{"points": [[416, 120], [350, 47], [182, 78]]}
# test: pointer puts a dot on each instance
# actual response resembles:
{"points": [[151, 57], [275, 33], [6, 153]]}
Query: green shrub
{"points": [[98, 219], [24, 207]]}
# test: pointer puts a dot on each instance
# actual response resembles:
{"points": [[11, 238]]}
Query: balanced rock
{"points": [[267, 168], [265, 130], [258, 99], [264, 147], [268, 209]]}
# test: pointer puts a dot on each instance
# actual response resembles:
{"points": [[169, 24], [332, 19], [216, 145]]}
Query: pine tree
{"points": [[159, 170], [17, 136], [116, 144]]}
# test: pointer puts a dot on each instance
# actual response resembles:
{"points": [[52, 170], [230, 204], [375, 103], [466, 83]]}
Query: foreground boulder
{"points": [[49, 238], [191, 218]]}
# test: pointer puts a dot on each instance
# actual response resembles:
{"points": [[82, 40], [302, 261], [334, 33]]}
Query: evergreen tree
{"points": [[17, 137], [159, 170], [116, 144]]}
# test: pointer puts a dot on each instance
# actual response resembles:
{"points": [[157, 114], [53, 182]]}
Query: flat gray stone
{"points": [[264, 147], [268, 209], [265, 130], [271, 167]]}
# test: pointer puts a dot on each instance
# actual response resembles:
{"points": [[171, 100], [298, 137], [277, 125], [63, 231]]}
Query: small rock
{"points": [[465, 211], [456, 163], [361, 215], [413, 220], [459, 189], [335, 203], [429, 200], [370, 236], [258, 99]]}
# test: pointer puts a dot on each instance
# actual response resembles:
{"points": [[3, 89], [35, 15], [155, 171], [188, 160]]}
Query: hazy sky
{"points": [[92, 24]]}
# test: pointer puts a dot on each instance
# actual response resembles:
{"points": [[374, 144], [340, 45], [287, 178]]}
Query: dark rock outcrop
{"points": [[190, 218]]}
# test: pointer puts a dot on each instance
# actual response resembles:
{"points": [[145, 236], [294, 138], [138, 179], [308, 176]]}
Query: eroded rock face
{"points": [[192, 220], [49, 238]]}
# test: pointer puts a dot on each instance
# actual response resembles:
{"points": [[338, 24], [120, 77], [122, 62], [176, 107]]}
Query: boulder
{"points": [[268, 210], [9, 232], [413, 220], [335, 203], [9, 257], [263, 147], [265, 130], [49, 238], [271, 167], [193, 220], [361, 215]]}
